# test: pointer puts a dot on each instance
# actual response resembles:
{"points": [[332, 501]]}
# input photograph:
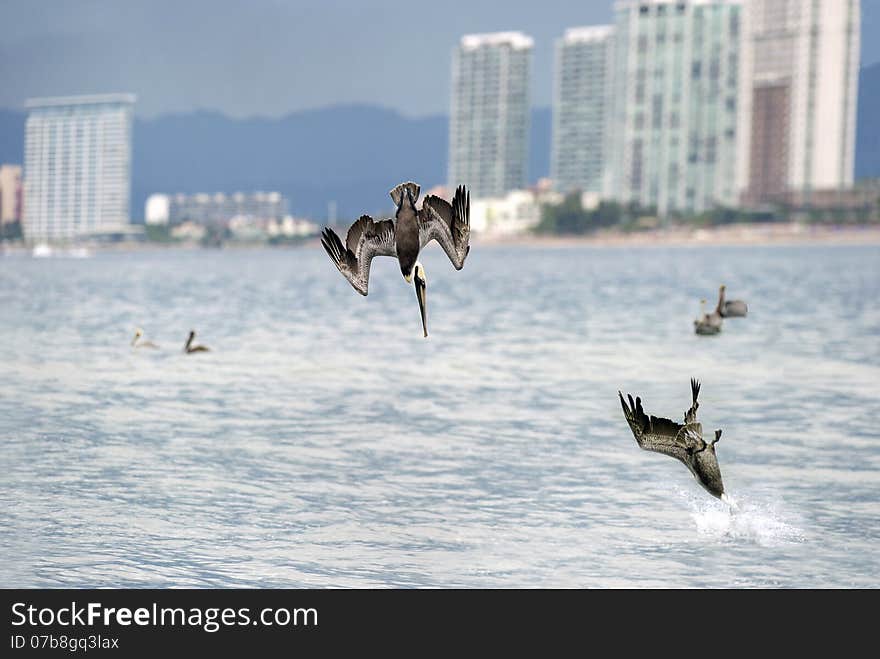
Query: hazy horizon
{"points": [[270, 59]]}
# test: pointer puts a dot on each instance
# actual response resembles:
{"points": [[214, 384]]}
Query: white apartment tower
{"points": [[77, 166], [799, 92], [489, 118], [674, 102], [581, 97]]}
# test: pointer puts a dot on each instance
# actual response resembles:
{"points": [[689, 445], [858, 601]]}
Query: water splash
{"points": [[753, 521]]}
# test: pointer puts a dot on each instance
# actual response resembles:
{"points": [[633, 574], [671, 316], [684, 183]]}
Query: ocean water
{"points": [[324, 443]]}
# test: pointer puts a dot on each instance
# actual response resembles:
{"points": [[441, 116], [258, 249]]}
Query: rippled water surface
{"points": [[323, 442]]}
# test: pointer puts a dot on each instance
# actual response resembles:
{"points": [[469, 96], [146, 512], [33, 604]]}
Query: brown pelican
{"points": [[683, 442], [137, 343], [404, 238], [707, 323], [189, 347], [731, 308]]}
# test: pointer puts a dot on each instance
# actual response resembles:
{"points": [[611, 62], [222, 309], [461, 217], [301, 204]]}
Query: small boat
{"points": [[42, 251], [79, 253]]}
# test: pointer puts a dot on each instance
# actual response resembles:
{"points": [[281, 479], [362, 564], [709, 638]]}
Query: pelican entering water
{"points": [[683, 442], [189, 347], [137, 343], [731, 308], [707, 323], [404, 238]]}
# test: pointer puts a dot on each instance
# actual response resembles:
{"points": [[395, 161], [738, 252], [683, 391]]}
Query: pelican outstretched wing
{"points": [[448, 224], [366, 238], [691, 415], [662, 435]]}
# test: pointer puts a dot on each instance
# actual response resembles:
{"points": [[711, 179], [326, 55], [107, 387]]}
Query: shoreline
{"points": [[731, 235], [752, 235]]}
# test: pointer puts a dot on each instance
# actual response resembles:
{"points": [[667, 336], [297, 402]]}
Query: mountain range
{"points": [[348, 154]]}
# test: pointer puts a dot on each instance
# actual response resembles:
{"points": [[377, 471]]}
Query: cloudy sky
{"points": [[271, 57]]}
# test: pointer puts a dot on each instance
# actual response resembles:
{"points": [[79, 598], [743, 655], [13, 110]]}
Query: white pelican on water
{"points": [[137, 343]]}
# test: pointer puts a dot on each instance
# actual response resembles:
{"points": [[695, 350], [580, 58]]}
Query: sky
{"points": [[272, 57]]}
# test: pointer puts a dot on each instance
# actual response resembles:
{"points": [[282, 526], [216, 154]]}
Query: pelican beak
{"points": [[421, 284]]}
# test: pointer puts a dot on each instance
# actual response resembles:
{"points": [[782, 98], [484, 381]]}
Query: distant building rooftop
{"points": [[94, 99], [626, 4], [588, 33], [516, 40]]}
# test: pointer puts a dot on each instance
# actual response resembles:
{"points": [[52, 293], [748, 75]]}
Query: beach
{"points": [[787, 233]]}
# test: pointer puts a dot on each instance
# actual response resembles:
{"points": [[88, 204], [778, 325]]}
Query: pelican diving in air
{"points": [[137, 343], [189, 347], [404, 237], [731, 308], [707, 323], [683, 442]]}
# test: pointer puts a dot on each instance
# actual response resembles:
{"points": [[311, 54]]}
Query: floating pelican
{"points": [[707, 323], [137, 343], [683, 442], [731, 308], [189, 347], [404, 238]]}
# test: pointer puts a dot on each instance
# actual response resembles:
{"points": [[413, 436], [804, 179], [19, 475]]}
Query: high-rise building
{"points": [[10, 193], [581, 98], [489, 119], [799, 92], [77, 166], [674, 104]]}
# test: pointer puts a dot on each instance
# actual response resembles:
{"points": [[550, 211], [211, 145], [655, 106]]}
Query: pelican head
{"points": [[189, 339], [421, 284], [138, 333], [704, 465]]}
